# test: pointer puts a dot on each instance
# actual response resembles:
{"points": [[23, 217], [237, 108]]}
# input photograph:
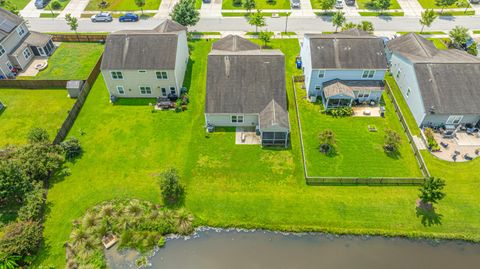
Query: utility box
{"points": [[74, 87]]}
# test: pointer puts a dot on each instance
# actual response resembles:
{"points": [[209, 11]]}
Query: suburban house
{"points": [[146, 63], [441, 87], [344, 68], [246, 88], [18, 45]]}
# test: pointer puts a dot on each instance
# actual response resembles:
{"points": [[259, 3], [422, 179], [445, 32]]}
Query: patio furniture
{"points": [[472, 130], [467, 157], [165, 105], [443, 144], [454, 157], [372, 128], [456, 152], [243, 137], [449, 134], [367, 112]]}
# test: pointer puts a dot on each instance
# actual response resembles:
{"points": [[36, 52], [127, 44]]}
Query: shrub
{"points": [[38, 135], [432, 190], [327, 141], [392, 141], [72, 148], [341, 112], [21, 238], [432, 143], [14, 183], [237, 3], [170, 186], [33, 204], [55, 5]]}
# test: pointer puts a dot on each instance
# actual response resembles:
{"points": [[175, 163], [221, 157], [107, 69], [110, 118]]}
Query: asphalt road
{"points": [[273, 24]]}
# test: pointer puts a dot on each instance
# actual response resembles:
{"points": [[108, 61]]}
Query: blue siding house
{"points": [[441, 87], [344, 68]]}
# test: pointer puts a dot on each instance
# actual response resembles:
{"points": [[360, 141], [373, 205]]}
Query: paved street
{"points": [[300, 25]]}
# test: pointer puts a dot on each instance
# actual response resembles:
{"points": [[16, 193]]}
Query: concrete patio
{"points": [[366, 111], [459, 146], [32, 69], [246, 136]]}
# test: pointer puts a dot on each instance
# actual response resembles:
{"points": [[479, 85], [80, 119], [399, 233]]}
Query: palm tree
{"points": [[427, 18], [184, 222], [78, 237]]}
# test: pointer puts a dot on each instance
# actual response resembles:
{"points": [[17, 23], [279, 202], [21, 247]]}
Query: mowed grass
{"points": [[227, 185], [359, 151], [19, 4], [123, 5], [368, 4], [261, 4], [70, 61], [431, 4], [27, 109]]}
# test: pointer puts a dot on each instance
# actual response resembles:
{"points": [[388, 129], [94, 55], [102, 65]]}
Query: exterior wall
{"points": [[306, 60], [219, 119], [407, 79], [132, 80], [12, 41], [19, 61], [4, 71], [182, 59], [437, 120]]}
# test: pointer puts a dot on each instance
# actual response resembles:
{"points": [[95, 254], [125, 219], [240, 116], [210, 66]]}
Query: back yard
{"points": [[70, 61], [127, 145], [27, 109]]}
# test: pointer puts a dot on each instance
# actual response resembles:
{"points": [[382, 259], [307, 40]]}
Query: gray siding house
{"points": [[146, 63], [18, 45], [441, 87], [343, 68], [246, 87]]}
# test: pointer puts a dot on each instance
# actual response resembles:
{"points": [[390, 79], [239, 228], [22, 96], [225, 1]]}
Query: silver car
{"points": [[295, 3], [339, 4], [102, 16]]}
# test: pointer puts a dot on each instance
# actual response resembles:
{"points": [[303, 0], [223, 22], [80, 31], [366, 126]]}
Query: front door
{"points": [[41, 51]]}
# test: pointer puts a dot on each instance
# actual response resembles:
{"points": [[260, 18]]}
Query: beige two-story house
{"points": [[146, 63], [18, 45]]}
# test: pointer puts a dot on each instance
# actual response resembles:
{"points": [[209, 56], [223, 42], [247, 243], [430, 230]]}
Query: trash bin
{"points": [[298, 61]]}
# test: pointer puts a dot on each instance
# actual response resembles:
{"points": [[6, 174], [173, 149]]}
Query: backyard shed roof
{"points": [[8, 22], [448, 79], [245, 81], [274, 116], [353, 49]]}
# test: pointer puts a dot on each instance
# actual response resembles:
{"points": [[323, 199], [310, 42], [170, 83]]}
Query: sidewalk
{"points": [[75, 7], [30, 11], [305, 10], [165, 8], [212, 9], [411, 7]]}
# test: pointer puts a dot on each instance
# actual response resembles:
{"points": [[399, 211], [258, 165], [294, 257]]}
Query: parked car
{"points": [[352, 2], [339, 4], [132, 17], [295, 3], [475, 1], [102, 16], [41, 3], [207, 1]]}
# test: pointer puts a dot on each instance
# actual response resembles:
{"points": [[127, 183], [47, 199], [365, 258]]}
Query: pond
{"points": [[233, 249]]}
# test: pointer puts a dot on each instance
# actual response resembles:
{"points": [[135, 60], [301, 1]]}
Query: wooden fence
{"points": [[79, 37], [77, 107], [32, 84], [322, 181]]}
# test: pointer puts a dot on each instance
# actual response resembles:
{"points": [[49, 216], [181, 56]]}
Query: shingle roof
{"points": [[234, 43], [245, 81], [8, 22], [448, 79], [142, 49], [37, 39], [272, 116], [346, 87], [169, 26], [353, 49]]}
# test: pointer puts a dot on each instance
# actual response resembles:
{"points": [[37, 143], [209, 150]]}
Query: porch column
{"points": [[351, 101]]}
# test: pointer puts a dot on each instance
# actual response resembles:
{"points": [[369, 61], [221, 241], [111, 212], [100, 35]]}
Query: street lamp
{"points": [[286, 21]]}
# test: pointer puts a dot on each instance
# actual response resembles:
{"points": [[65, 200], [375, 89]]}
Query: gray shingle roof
{"points": [[37, 39], [273, 116], [234, 43], [169, 26], [8, 22], [353, 49], [141, 49], [346, 87], [448, 79], [245, 81]]}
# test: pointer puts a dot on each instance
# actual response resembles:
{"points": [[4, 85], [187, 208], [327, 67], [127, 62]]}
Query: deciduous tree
{"points": [[338, 19], [256, 19], [432, 190], [427, 18], [140, 4]]}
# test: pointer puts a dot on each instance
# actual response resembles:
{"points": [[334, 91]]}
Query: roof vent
{"points": [[227, 66]]}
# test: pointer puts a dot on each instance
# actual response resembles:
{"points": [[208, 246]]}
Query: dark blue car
{"points": [[128, 17]]}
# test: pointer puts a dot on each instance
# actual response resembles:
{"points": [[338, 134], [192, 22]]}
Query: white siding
{"points": [[182, 59], [219, 119], [306, 60], [13, 39]]}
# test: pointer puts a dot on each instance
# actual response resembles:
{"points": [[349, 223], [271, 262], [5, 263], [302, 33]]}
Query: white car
{"points": [[339, 4], [102, 16], [295, 3]]}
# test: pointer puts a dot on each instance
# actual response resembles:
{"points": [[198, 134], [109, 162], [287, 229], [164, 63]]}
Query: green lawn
{"points": [[368, 4], [244, 14], [382, 14], [262, 5], [63, 4], [431, 4], [71, 61], [440, 43], [228, 185], [123, 5], [49, 15], [27, 109], [359, 152], [19, 4]]}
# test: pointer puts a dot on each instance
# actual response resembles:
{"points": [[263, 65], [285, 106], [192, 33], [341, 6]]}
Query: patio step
{"points": [[419, 142]]}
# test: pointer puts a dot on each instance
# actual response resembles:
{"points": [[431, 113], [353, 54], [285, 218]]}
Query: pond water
{"points": [[234, 249]]}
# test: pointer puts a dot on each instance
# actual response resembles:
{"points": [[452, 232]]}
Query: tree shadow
{"points": [[177, 204], [428, 217], [385, 17], [393, 154], [446, 17]]}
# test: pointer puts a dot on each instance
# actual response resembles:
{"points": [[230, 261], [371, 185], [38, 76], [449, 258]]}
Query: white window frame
{"points": [[322, 73], [122, 92], [369, 74], [9, 65], [239, 118], [161, 75], [145, 87], [454, 119], [21, 31], [364, 94], [116, 75], [173, 89], [164, 92], [27, 53], [408, 92], [2, 50]]}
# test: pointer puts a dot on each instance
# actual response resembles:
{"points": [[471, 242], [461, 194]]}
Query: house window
{"points": [[9, 66], [145, 90], [321, 73], [368, 73], [318, 87], [161, 75], [26, 53], [20, 31], [142, 71], [398, 73], [172, 90], [120, 90], [408, 92], [2, 50], [116, 75], [363, 94], [164, 91], [454, 119], [237, 118]]}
